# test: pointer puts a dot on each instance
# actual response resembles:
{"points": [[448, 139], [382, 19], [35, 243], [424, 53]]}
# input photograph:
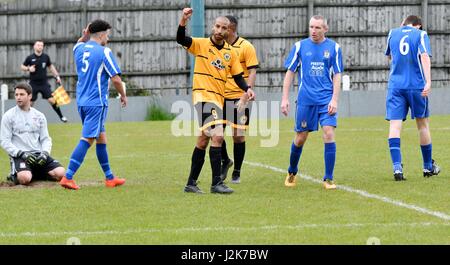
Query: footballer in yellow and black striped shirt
{"points": [[236, 117], [214, 61], [249, 62]]}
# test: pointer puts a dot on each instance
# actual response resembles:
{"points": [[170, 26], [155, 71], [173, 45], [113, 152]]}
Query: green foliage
{"points": [[158, 113], [133, 89]]}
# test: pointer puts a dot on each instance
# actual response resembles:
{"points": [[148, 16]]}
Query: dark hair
{"points": [[99, 25], [232, 19], [24, 86], [414, 20], [38, 41]]}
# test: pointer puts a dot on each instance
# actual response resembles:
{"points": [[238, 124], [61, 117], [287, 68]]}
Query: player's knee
{"points": [[24, 177], [217, 140], [102, 138], [328, 135], [300, 139], [57, 173], [202, 142]]}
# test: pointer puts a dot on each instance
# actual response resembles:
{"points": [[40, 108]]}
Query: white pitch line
{"points": [[214, 229], [363, 193]]}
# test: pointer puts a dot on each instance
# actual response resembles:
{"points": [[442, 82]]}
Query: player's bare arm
{"points": [[288, 78], [187, 13], [333, 105], [55, 74], [117, 82], [85, 34], [251, 81], [426, 63], [28, 68], [247, 96], [25, 68]]}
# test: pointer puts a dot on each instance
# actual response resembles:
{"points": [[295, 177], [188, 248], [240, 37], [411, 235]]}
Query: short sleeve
{"points": [[111, 66], [293, 60], [424, 46]]}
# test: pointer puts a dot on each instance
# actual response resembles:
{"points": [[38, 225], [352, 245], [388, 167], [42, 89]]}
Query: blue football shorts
{"points": [[308, 117], [399, 101], [93, 120]]}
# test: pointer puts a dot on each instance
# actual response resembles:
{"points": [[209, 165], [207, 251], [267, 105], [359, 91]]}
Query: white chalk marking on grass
{"points": [[215, 229], [362, 193]]}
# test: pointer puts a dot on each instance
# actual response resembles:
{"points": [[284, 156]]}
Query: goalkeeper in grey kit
{"points": [[24, 136]]}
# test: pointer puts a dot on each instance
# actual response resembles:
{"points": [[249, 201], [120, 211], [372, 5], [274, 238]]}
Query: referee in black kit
{"points": [[36, 64]]}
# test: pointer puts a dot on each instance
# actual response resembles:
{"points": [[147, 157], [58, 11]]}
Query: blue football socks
{"points": [[102, 156], [426, 155], [330, 159], [396, 156], [77, 158], [296, 152]]}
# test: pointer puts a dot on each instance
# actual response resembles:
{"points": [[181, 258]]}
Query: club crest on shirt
{"points": [[44, 65], [304, 124], [22, 165], [227, 57], [217, 63], [326, 54]]}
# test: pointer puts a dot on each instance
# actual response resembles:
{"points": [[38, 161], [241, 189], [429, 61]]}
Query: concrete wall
{"points": [[351, 104]]}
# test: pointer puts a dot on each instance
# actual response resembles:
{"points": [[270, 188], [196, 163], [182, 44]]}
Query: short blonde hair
{"points": [[319, 17]]}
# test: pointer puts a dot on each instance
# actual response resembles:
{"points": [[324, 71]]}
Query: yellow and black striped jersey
{"points": [[248, 60], [212, 66]]}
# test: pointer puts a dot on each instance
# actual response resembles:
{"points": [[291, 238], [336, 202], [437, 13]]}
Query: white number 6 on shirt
{"points": [[404, 46]]}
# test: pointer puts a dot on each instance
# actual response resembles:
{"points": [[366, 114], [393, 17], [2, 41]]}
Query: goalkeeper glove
{"points": [[42, 158], [29, 157]]}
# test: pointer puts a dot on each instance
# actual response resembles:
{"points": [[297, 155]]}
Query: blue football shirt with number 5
{"points": [[95, 66], [405, 45]]}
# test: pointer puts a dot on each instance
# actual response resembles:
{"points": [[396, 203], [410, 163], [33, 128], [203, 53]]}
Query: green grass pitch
{"points": [[152, 209]]}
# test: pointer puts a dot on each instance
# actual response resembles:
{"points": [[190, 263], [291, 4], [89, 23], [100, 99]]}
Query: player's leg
{"points": [[47, 94], [34, 93], [329, 155], [198, 155], [227, 163], [240, 125], [57, 174], [102, 153], [90, 117], [197, 161], [215, 157], [420, 111], [238, 154], [51, 170], [396, 111], [24, 177], [329, 124], [111, 180], [76, 159], [306, 120], [20, 171], [395, 127]]}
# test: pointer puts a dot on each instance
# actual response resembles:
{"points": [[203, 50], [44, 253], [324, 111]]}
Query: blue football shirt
{"points": [[95, 66], [317, 63], [405, 45]]}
